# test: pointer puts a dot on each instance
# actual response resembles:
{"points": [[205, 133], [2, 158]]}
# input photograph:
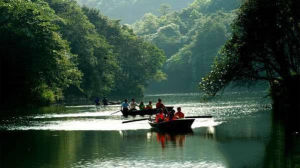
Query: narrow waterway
{"points": [[240, 134]]}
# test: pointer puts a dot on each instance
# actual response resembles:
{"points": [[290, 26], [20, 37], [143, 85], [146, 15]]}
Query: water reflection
{"points": [[241, 134], [173, 139], [177, 140]]}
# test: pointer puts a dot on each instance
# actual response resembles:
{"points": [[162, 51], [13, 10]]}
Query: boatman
{"points": [[159, 104], [124, 106], [178, 114]]}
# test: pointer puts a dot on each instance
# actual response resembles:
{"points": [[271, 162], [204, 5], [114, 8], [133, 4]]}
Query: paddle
{"points": [[198, 116], [115, 112], [135, 120]]}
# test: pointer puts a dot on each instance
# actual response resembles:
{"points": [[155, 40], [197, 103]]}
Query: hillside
{"points": [[191, 39]]}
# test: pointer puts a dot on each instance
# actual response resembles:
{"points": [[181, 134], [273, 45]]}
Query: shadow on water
{"points": [[283, 149], [258, 142]]}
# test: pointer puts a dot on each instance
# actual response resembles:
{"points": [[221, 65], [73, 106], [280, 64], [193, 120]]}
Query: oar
{"points": [[199, 116], [115, 112], [135, 120]]}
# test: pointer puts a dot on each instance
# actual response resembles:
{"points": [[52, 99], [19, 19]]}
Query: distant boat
{"points": [[178, 125], [143, 112]]}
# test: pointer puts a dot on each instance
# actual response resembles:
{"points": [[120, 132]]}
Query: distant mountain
{"points": [[128, 11]]}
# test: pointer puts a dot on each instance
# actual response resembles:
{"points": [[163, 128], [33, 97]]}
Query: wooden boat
{"points": [[178, 125], [143, 112]]}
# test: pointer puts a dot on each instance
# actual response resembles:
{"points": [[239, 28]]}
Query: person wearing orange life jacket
{"points": [[159, 117], [178, 114]]}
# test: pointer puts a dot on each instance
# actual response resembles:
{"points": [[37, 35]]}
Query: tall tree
{"points": [[265, 45], [36, 63], [92, 49]]}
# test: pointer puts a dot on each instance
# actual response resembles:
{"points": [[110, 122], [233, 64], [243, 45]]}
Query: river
{"points": [[240, 134]]}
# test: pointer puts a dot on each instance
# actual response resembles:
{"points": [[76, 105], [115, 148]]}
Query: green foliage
{"points": [[190, 38], [264, 45], [95, 58], [35, 61], [99, 57], [139, 62]]}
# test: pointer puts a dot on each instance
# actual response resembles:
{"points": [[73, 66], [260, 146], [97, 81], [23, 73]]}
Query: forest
{"points": [[190, 38], [55, 50]]}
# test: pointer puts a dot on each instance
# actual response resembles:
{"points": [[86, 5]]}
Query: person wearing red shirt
{"points": [[159, 104], [178, 114], [159, 117]]}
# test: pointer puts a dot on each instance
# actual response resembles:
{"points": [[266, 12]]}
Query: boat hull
{"points": [[143, 112], [174, 125]]}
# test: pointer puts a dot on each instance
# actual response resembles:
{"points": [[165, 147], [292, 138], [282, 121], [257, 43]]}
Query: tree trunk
{"points": [[286, 102]]}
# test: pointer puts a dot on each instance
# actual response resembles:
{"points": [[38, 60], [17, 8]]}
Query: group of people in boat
{"points": [[125, 106], [165, 115], [162, 115]]}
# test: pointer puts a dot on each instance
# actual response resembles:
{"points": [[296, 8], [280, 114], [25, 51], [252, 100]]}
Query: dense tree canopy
{"points": [[54, 49], [139, 62], [36, 63], [91, 48], [190, 38]]}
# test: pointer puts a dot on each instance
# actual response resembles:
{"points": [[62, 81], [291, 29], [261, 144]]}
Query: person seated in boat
{"points": [[178, 114], [133, 104], [124, 106], [104, 101], [97, 101], [159, 116], [159, 104], [142, 106], [170, 115], [149, 106]]}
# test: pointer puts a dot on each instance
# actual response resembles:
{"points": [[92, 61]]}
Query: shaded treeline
{"points": [[190, 38], [265, 45], [54, 50]]}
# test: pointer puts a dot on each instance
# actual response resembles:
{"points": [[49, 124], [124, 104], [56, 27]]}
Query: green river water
{"points": [[241, 134]]}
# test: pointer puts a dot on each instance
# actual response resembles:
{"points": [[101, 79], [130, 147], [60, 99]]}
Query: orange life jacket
{"points": [[179, 115], [159, 117]]}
